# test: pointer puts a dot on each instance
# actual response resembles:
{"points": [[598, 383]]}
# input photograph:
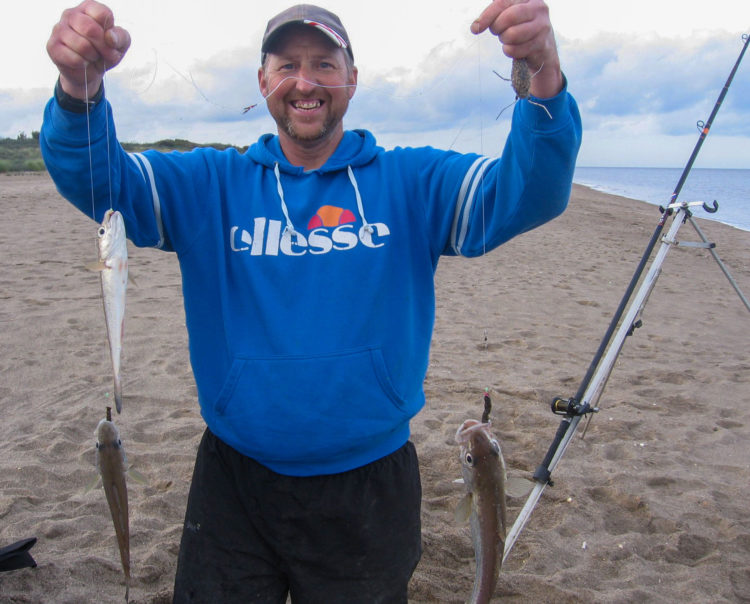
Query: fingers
{"points": [[86, 38], [521, 25], [515, 22], [490, 14], [119, 41]]}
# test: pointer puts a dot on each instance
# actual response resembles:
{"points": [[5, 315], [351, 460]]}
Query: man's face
{"points": [[310, 85]]}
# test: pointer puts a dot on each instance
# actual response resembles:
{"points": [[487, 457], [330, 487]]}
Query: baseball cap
{"points": [[307, 14]]}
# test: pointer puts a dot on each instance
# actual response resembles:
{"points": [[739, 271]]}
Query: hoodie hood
{"points": [[357, 148]]}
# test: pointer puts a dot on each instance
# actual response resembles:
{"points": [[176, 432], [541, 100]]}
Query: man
{"points": [[307, 268]]}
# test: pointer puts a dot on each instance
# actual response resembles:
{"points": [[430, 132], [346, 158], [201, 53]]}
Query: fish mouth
{"points": [[464, 432]]}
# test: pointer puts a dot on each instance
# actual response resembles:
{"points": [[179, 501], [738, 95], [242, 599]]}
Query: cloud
{"points": [[640, 97], [667, 84]]}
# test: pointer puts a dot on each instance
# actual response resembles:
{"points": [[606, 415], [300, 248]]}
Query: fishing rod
{"points": [[585, 400]]}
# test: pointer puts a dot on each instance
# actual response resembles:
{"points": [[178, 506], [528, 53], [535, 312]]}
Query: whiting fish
{"points": [[113, 267], [112, 465], [484, 475]]}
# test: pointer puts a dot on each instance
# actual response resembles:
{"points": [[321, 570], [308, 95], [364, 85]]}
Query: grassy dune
{"points": [[22, 154]]}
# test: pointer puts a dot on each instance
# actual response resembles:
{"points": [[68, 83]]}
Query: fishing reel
{"points": [[570, 407]]}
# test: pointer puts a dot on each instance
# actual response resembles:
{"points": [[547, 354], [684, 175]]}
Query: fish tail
{"points": [[118, 394]]}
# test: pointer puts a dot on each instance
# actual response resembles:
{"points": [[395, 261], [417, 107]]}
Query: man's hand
{"points": [[525, 30], [86, 38]]}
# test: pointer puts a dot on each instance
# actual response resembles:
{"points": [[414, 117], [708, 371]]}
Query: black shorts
{"points": [[252, 535]]}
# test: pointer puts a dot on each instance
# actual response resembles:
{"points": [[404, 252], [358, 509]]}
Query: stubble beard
{"points": [[288, 126]]}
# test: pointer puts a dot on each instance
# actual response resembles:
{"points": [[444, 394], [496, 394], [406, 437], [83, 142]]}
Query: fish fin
{"points": [[463, 511], [137, 476], [131, 279], [96, 266], [93, 484], [516, 486]]}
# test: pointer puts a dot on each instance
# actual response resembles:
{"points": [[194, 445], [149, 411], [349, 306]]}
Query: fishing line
{"points": [[447, 72], [153, 77], [481, 144], [485, 334], [190, 80], [88, 103], [317, 84], [106, 130], [88, 138], [401, 90]]}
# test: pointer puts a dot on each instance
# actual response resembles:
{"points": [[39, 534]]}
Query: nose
{"points": [[306, 81]]}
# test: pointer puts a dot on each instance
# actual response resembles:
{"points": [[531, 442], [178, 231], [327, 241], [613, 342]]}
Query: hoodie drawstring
{"points": [[365, 225], [289, 229]]}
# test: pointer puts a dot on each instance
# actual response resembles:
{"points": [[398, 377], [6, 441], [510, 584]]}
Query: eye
{"points": [[469, 459], [101, 231], [495, 445]]}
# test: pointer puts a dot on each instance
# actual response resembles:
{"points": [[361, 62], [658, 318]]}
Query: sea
{"points": [[729, 188]]}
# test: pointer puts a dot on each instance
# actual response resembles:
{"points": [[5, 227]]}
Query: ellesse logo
{"points": [[329, 229], [330, 216]]}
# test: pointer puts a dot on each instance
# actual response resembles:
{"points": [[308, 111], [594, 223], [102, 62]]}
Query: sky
{"points": [[643, 72]]}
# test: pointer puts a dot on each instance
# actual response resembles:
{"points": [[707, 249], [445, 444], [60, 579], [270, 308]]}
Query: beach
{"points": [[652, 506]]}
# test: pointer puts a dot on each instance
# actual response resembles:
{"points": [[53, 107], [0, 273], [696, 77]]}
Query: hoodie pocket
{"points": [[290, 408]]}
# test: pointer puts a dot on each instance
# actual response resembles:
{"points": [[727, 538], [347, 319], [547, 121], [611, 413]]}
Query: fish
{"points": [[113, 268], [487, 485], [483, 469], [112, 466]]}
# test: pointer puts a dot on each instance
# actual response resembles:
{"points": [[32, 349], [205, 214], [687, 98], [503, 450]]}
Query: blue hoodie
{"points": [[309, 296]]}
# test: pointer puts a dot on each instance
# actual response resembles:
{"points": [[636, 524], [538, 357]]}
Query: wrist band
{"points": [[70, 103]]}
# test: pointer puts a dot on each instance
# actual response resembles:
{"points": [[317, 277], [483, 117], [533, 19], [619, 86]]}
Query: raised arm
{"points": [[86, 36]]}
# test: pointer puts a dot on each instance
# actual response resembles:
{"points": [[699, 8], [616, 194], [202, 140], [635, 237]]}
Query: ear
{"points": [[262, 82], [351, 90]]}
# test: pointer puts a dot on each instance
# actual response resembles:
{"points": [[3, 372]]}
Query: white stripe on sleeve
{"points": [[465, 202], [143, 164]]}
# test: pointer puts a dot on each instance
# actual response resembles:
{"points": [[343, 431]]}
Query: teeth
{"points": [[307, 104]]}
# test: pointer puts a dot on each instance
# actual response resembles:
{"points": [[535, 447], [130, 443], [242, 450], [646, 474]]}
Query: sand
{"points": [[651, 507]]}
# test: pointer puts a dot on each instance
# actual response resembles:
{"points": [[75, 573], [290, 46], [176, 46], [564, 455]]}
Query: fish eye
{"points": [[469, 459], [495, 445], [101, 231]]}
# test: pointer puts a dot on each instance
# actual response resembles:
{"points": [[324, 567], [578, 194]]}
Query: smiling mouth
{"points": [[307, 104]]}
